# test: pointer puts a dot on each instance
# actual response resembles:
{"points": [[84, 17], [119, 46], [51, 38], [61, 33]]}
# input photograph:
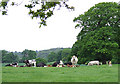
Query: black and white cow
{"points": [[30, 63], [55, 64], [15, 64], [41, 64], [68, 63], [12, 64], [8, 65], [61, 64]]}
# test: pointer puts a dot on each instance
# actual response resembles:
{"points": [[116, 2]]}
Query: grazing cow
{"points": [[93, 63], [49, 65], [55, 64], [30, 63], [22, 66], [110, 63], [8, 65], [61, 63], [41, 64], [74, 61], [13, 64], [58, 65], [68, 63]]}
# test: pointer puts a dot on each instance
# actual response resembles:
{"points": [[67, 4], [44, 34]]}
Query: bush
{"points": [[114, 61], [38, 60]]}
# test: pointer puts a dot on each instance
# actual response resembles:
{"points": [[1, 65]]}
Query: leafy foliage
{"points": [[64, 55], [40, 56], [8, 57], [44, 11], [28, 55], [3, 6], [44, 53], [38, 60], [52, 57], [98, 39]]}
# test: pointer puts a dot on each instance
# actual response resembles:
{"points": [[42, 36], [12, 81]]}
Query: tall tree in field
{"points": [[99, 37]]}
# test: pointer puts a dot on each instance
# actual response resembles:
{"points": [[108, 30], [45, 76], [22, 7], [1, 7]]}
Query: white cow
{"points": [[61, 62], [33, 62], [74, 60], [93, 63]]}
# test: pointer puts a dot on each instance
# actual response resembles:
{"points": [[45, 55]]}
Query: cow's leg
{"points": [[34, 64], [73, 64]]}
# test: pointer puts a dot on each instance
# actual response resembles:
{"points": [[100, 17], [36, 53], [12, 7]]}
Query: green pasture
{"points": [[102, 73]]}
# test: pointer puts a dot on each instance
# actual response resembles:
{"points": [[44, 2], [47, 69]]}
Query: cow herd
{"points": [[73, 63]]}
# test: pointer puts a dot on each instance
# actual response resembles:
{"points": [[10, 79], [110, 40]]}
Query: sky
{"points": [[19, 32]]}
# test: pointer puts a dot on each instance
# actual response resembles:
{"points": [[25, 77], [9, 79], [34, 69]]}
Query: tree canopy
{"points": [[99, 37], [28, 54], [64, 55], [40, 9], [8, 57]]}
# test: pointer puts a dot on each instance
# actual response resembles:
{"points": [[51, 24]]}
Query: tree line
{"points": [[52, 55], [9, 57]]}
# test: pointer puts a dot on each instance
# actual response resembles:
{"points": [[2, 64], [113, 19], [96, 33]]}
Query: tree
{"points": [[38, 60], [4, 54], [97, 45], [44, 11], [52, 57], [59, 56], [8, 57], [28, 55], [104, 14], [66, 55], [98, 38]]}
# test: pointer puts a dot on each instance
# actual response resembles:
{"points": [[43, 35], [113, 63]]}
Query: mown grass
{"points": [[102, 73]]}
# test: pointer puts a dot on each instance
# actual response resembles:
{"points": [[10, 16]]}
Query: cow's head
{"points": [[15, 63], [74, 57]]}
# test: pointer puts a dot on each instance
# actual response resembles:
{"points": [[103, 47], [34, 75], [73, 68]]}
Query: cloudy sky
{"points": [[18, 31]]}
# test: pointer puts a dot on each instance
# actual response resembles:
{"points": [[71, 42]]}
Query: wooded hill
{"points": [[44, 53], [30, 54]]}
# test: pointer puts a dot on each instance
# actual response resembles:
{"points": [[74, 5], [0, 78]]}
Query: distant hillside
{"points": [[42, 53], [45, 53]]}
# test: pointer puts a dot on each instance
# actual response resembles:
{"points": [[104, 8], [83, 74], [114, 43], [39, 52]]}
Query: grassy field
{"points": [[96, 73]]}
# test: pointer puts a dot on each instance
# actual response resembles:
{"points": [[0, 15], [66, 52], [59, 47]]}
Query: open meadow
{"points": [[102, 73]]}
